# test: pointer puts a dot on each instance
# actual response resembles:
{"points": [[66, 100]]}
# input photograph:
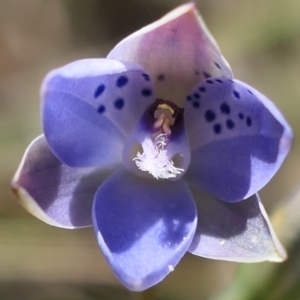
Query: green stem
{"points": [[149, 294]]}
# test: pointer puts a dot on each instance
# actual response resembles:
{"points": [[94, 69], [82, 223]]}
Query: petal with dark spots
{"points": [[237, 143]]}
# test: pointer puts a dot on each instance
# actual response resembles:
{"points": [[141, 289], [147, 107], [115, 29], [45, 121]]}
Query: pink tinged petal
{"points": [[177, 51], [145, 139], [239, 139], [89, 106], [58, 195], [238, 232], [143, 227]]}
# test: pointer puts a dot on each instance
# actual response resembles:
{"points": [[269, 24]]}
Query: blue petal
{"points": [[143, 226], [234, 231], [53, 192], [89, 106], [239, 139]]}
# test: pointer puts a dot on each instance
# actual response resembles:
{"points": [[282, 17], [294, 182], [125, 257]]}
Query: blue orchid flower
{"points": [[160, 150]]}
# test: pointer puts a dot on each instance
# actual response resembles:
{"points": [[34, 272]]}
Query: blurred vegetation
{"points": [[261, 41]]}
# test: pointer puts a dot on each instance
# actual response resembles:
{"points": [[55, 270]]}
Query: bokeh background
{"points": [[261, 41]]}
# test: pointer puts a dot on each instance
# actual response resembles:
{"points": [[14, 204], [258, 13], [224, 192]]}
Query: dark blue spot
{"points": [[146, 92], [217, 128], [188, 98], [121, 81], [250, 92], [101, 109], [209, 81], [202, 89], [161, 77], [119, 103], [100, 89], [206, 75], [217, 65], [231, 80], [209, 116], [225, 108], [229, 124], [248, 121], [196, 95], [196, 104], [241, 116], [219, 80], [236, 94], [146, 76]]}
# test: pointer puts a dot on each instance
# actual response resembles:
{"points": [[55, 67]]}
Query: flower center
{"points": [[164, 115], [156, 159]]}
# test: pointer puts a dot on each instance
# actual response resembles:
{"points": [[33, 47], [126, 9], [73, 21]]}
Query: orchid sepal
{"points": [[192, 53]]}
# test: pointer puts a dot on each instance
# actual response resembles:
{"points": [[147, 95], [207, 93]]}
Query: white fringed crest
{"points": [[154, 159]]}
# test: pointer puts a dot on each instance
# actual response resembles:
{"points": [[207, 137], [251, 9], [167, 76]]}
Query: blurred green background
{"points": [[261, 41]]}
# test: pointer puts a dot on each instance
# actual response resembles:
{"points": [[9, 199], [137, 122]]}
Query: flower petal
{"points": [[143, 226], [238, 138], [177, 51], [58, 195], [238, 232], [88, 107]]}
